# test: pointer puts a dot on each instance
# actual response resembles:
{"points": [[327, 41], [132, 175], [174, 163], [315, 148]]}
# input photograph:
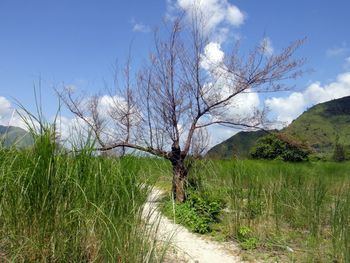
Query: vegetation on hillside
{"points": [[237, 146], [320, 127], [274, 146]]}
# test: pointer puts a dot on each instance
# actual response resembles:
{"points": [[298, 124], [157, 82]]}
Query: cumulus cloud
{"points": [[218, 15], [5, 107], [71, 131], [218, 21], [242, 105], [115, 105], [106, 104], [213, 55], [288, 108], [233, 15], [109, 108], [66, 127], [8, 115]]}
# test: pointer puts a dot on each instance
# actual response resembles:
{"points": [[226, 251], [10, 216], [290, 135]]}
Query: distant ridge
{"points": [[15, 136], [319, 127], [237, 146]]}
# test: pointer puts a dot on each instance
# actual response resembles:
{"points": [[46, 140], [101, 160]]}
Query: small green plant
{"points": [[246, 239]]}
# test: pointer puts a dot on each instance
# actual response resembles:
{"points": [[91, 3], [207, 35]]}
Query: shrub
{"points": [[278, 147], [198, 213]]}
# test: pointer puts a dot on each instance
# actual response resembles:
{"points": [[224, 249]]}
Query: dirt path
{"points": [[186, 246]]}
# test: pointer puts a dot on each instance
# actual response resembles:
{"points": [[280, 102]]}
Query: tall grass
{"points": [[61, 207], [288, 212]]}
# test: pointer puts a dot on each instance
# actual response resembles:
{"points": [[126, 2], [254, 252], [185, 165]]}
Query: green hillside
{"points": [[238, 146], [14, 136], [319, 127]]}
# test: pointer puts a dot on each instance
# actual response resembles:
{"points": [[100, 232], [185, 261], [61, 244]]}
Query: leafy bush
{"points": [[277, 147], [197, 213]]}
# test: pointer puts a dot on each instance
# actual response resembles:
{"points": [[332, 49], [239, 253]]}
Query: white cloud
{"points": [[266, 46], [217, 14], [71, 130], [5, 107], [74, 129], [106, 104], [288, 108], [114, 105], [219, 133], [234, 15], [213, 55], [139, 27], [243, 104], [217, 23], [8, 115]]}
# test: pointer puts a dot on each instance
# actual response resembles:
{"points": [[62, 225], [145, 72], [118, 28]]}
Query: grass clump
{"points": [[278, 211], [78, 207]]}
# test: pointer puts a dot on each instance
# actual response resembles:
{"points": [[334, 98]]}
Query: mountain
{"points": [[237, 146], [319, 127], [15, 136]]}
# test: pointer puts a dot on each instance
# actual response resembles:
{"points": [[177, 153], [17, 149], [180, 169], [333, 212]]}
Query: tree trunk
{"points": [[179, 174], [179, 178]]}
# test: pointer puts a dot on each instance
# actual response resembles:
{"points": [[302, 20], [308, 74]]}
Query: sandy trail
{"points": [[187, 247]]}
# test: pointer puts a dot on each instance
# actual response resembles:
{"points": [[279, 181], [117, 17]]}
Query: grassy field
{"points": [[276, 211], [56, 207], [59, 207]]}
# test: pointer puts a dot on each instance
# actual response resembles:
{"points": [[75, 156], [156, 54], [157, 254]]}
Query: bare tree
{"points": [[167, 107]]}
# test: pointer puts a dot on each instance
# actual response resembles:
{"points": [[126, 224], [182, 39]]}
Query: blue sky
{"points": [[77, 43]]}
